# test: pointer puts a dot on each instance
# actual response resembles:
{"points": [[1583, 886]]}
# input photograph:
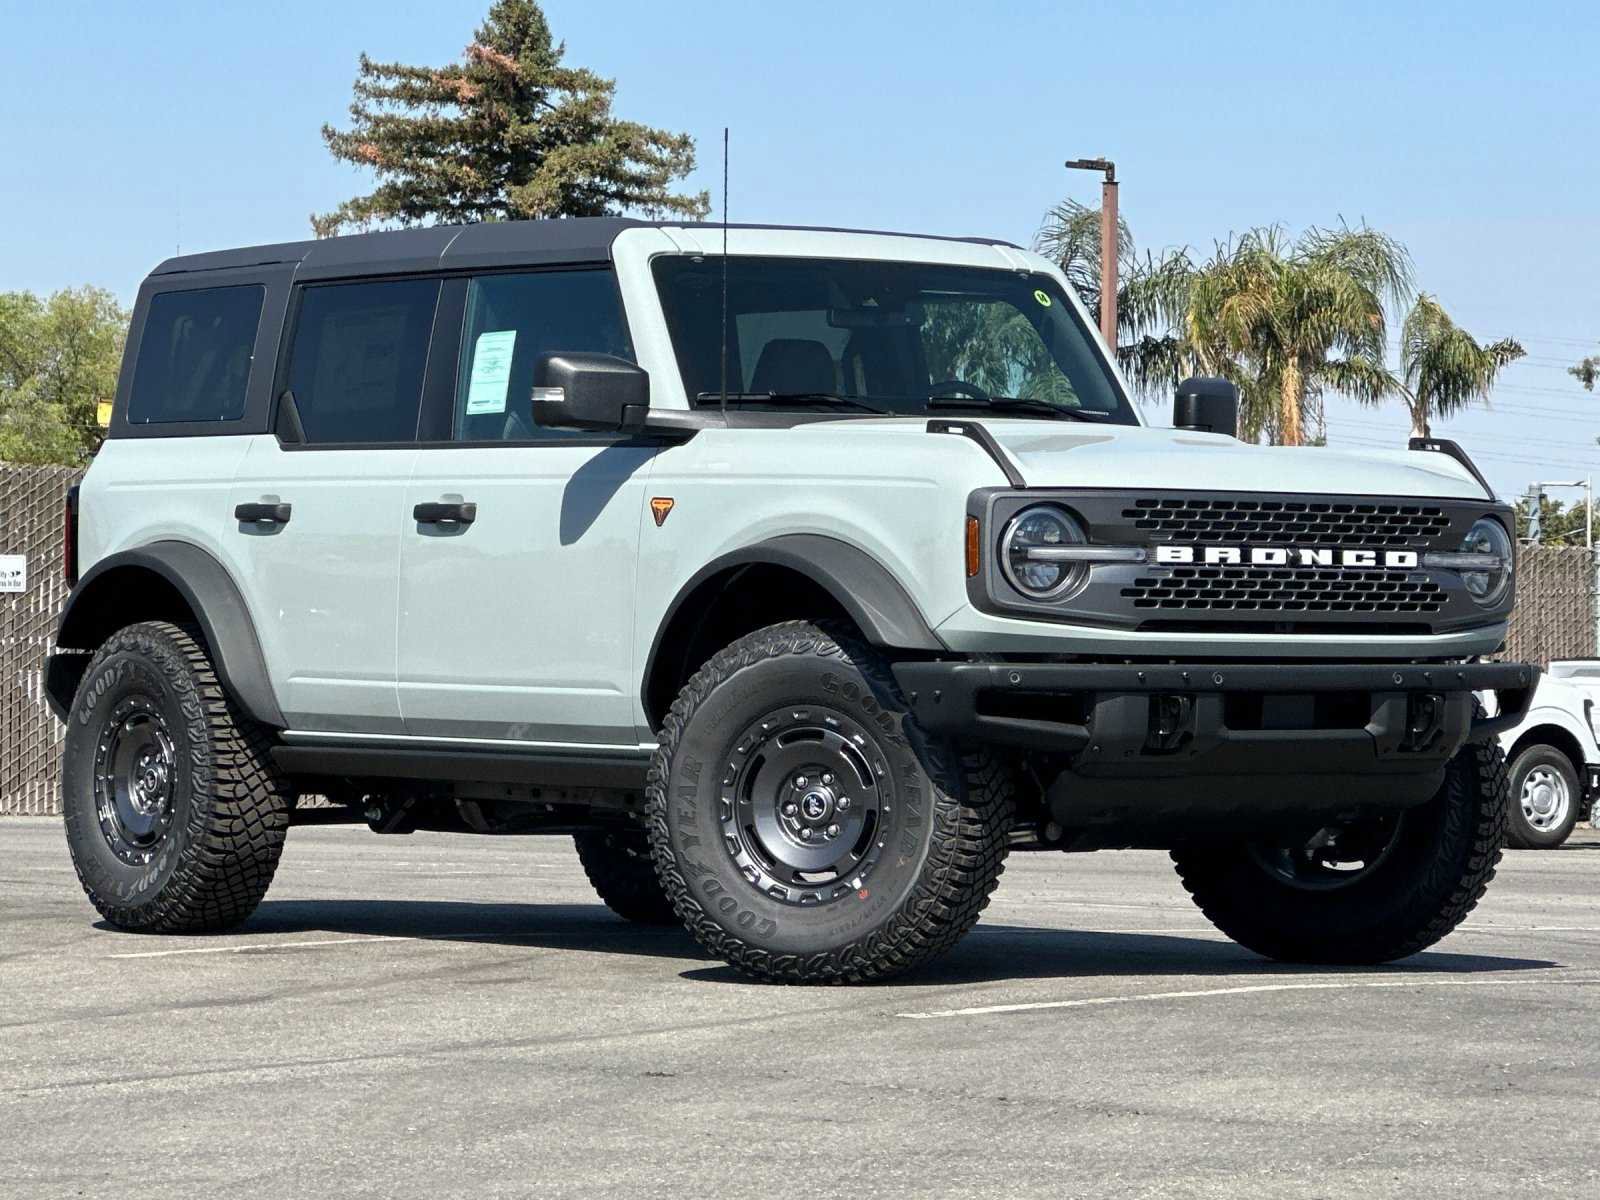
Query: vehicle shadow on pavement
{"points": [[996, 953], [993, 952], [990, 953], [565, 926]]}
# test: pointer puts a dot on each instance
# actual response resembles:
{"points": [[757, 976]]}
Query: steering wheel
{"points": [[959, 386]]}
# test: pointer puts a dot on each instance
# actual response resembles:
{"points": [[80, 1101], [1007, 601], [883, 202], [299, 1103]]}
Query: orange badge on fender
{"points": [[660, 506]]}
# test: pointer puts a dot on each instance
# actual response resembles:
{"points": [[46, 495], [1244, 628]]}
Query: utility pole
{"points": [[1108, 243]]}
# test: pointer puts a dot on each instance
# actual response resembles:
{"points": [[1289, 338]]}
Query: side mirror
{"points": [[590, 391], [1207, 404]]}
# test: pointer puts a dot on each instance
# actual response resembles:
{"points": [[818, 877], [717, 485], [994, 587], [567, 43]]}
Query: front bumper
{"points": [[1185, 748]]}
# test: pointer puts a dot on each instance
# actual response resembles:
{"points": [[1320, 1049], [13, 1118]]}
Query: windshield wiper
{"points": [[1014, 404], [798, 399]]}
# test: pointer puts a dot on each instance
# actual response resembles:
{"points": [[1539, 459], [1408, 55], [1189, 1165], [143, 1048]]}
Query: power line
{"points": [[1369, 427]]}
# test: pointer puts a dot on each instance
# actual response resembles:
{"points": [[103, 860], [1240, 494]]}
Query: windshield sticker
{"points": [[1042, 296], [491, 372]]}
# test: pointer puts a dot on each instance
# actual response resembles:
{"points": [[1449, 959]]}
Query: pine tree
{"points": [[508, 133]]}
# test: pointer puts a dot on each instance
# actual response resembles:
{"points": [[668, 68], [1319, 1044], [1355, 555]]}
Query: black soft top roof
{"points": [[494, 244]]}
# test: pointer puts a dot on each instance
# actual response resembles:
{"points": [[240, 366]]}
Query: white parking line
{"points": [[1250, 989], [1170, 931], [258, 947], [535, 940]]}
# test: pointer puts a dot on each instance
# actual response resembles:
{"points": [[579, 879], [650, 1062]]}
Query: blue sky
{"points": [[1466, 129]]}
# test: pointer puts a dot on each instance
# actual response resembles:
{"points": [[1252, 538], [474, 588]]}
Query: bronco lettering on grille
{"points": [[1283, 556]]}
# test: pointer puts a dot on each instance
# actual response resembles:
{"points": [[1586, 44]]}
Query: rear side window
{"points": [[511, 321], [194, 355], [358, 359]]}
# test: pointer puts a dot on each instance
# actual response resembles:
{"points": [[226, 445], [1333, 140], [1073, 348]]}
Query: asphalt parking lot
{"points": [[432, 1016]]}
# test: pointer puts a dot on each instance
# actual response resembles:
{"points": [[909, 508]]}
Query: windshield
{"points": [[894, 337]]}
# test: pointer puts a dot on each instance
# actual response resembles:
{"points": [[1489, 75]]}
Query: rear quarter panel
{"points": [[151, 489]]}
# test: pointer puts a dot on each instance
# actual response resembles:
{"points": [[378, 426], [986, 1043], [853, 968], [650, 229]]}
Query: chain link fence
{"points": [[31, 500], [1554, 619]]}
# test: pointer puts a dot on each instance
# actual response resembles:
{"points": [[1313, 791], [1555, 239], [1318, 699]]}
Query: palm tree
{"points": [[1445, 368], [1304, 317], [1070, 237], [1284, 320], [1152, 292]]}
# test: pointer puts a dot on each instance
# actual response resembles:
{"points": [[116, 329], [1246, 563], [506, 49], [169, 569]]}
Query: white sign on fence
{"points": [[13, 573]]}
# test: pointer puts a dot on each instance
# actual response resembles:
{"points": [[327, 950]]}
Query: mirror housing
{"points": [[597, 392], [1207, 404]]}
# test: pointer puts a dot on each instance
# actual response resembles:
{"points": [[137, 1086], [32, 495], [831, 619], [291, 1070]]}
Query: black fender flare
{"points": [[211, 594], [875, 600]]}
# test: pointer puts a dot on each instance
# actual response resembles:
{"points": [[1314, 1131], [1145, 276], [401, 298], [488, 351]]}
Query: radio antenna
{"points": [[724, 274]]}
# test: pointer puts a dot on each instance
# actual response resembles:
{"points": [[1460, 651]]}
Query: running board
{"points": [[551, 769]]}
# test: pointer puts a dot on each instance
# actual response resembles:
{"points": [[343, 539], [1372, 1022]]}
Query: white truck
{"points": [[1554, 757], [798, 574]]}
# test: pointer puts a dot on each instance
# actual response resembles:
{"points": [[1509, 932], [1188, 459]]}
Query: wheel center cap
{"points": [[816, 805]]}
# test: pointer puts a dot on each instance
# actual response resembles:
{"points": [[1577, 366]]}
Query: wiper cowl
{"points": [[798, 399]]}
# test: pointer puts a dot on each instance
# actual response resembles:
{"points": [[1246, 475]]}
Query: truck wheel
{"points": [[175, 814], [619, 865], [805, 827], [1368, 892], [1543, 799]]}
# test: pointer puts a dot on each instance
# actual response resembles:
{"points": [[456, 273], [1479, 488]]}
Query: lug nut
{"points": [[800, 781], [833, 831], [807, 834], [826, 778], [790, 809], [842, 803]]}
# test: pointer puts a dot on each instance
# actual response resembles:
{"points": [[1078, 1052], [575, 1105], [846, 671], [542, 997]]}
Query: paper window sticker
{"points": [[491, 372]]}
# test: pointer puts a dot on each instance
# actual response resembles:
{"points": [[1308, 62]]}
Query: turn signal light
{"points": [[973, 561]]}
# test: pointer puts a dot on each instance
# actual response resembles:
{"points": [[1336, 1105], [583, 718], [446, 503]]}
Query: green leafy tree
{"points": [[1559, 525], [507, 133], [1444, 367], [58, 363], [1586, 371]]}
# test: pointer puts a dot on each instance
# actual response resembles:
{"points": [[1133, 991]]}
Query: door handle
{"points": [[446, 512], [263, 514]]}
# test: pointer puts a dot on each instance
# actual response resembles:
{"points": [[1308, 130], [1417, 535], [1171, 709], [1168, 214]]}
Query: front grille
{"points": [[1288, 522], [1285, 590]]}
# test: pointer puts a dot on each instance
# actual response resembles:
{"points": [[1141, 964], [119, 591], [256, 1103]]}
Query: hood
{"points": [[1055, 454]]}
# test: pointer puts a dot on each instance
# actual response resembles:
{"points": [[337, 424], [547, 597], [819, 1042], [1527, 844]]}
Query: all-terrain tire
{"points": [[221, 822], [1435, 872], [1521, 833], [943, 839], [619, 866]]}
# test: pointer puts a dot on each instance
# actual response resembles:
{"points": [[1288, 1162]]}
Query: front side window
{"points": [[194, 355], [359, 356], [895, 337], [511, 321]]}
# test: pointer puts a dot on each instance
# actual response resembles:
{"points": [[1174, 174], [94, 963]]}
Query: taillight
{"points": [[69, 537]]}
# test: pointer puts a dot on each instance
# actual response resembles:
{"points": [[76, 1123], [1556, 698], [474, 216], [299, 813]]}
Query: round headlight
{"points": [[1025, 552], [1487, 537]]}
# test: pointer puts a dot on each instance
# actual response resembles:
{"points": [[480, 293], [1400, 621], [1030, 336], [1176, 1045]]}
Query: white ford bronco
{"points": [[798, 574]]}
